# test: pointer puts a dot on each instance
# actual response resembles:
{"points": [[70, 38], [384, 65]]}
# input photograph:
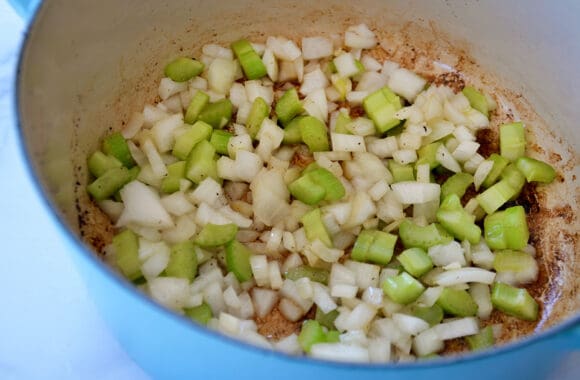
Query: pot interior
{"points": [[87, 66]]}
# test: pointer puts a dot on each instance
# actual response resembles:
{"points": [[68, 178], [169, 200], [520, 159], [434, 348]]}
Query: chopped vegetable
{"points": [[183, 69]]}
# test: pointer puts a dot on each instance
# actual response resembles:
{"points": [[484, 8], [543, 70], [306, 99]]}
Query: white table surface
{"points": [[49, 328]]}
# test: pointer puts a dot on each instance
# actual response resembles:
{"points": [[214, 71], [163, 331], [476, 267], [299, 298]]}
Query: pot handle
{"points": [[25, 8]]}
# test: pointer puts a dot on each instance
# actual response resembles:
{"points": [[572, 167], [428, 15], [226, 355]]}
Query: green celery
{"points": [[381, 107], [288, 106], [342, 120], [250, 61], [172, 181], [314, 134], [201, 162], [326, 319], [183, 261], [456, 184], [220, 139], [292, 131], [403, 288], [109, 183], [415, 261], [432, 315], [401, 173], [499, 164], [99, 163], [428, 155], [457, 302], [514, 301], [536, 170], [217, 114], [183, 69], [476, 99], [510, 261], [238, 260], [214, 235], [413, 235], [374, 246], [507, 229], [115, 145], [196, 105], [259, 111], [126, 247], [457, 221], [512, 141], [314, 227], [185, 142], [200, 314], [306, 190], [495, 196], [483, 339], [311, 334], [515, 178], [314, 274]]}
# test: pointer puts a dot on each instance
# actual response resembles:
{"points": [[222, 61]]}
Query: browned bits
{"points": [[275, 326], [452, 79], [489, 141], [302, 157]]}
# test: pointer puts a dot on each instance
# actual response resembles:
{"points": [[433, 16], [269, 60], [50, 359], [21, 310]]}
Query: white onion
{"points": [[481, 173], [315, 104], [170, 292], [446, 254], [288, 345], [340, 352], [143, 207], [220, 75], [406, 83], [427, 342], [264, 300], [345, 65], [464, 275], [157, 165], [316, 47], [290, 310], [409, 324], [457, 328], [482, 297], [410, 192]]}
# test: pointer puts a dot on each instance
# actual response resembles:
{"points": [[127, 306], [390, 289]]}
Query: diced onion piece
{"points": [[482, 297], [316, 47], [259, 265], [457, 328], [221, 74], [463, 276], [142, 207], [481, 173], [446, 159], [340, 352], [157, 165], [288, 345], [271, 64], [346, 65], [360, 37], [290, 310], [170, 292], [409, 324], [167, 88], [177, 204], [347, 143], [315, 104], [406, 83], [427, 342], [410, 192], [133, 125], [264, 300]]}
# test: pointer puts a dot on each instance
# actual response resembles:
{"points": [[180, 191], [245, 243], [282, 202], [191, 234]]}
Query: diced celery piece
{"points": [[326, 319], [196, 105], [428, 155], [175, 173], [115, 145], [200, 314], [217, 114], [476, 99], [259, 111], [214, 235], [507, 229], [457, 221], [457, 302], [250, 61], [374, 246], [415, 261], [201, 162], [314, 227], [306, 190], [220, 139], [126, 246], [495, 196], [314, 134], [512, 141], [514, 301], [238, 260], [456, 184], [314, 274], [515, 179], [362, 245], [288, 106], [183, 69], [381, 107], [292, 131], [514, 262], [311, 334], [99, 163], [403, 288], [334, 189], [401, 173], [535, 170], [183, 261], [432, 315], [499, 164], [109, 183], [185, 142], [413, 235], [342, 120], [483, 339]]}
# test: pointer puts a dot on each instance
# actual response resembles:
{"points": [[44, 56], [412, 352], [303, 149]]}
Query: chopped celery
{"points": [[314, 227], [512, 141], [374, 246], [457, 221], [457, 302], [185, 142], [214, 235], [483, 339], [306, 190], [432, 315], [326, 319], [476, 99], [495, 196], [401, 173], [115, 145], [99, 163], [381, 107], [428, 155], [217, 114], [292, 131], [196, 105], [109, 183], [238, 260], [183, 261], [250, 61], [220, 139], [311, 334], [288, 106], [514, 178], [535, 170], [126, 246], [314, 134], [413, 235], [403, 288], [259, 111], [415, 261], [334, 189], [516, 262], [201, 162], [456, 184], [507, 229], [175, 173], [314, 274], [514, 301], [200, 314], [183, 69], [499, 164], [342, 120]]}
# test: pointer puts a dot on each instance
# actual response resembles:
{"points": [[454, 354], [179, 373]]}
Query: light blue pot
{"points": [[82, 57]]}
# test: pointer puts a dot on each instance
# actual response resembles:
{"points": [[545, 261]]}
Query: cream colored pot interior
{"points": [[89, 64]]}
